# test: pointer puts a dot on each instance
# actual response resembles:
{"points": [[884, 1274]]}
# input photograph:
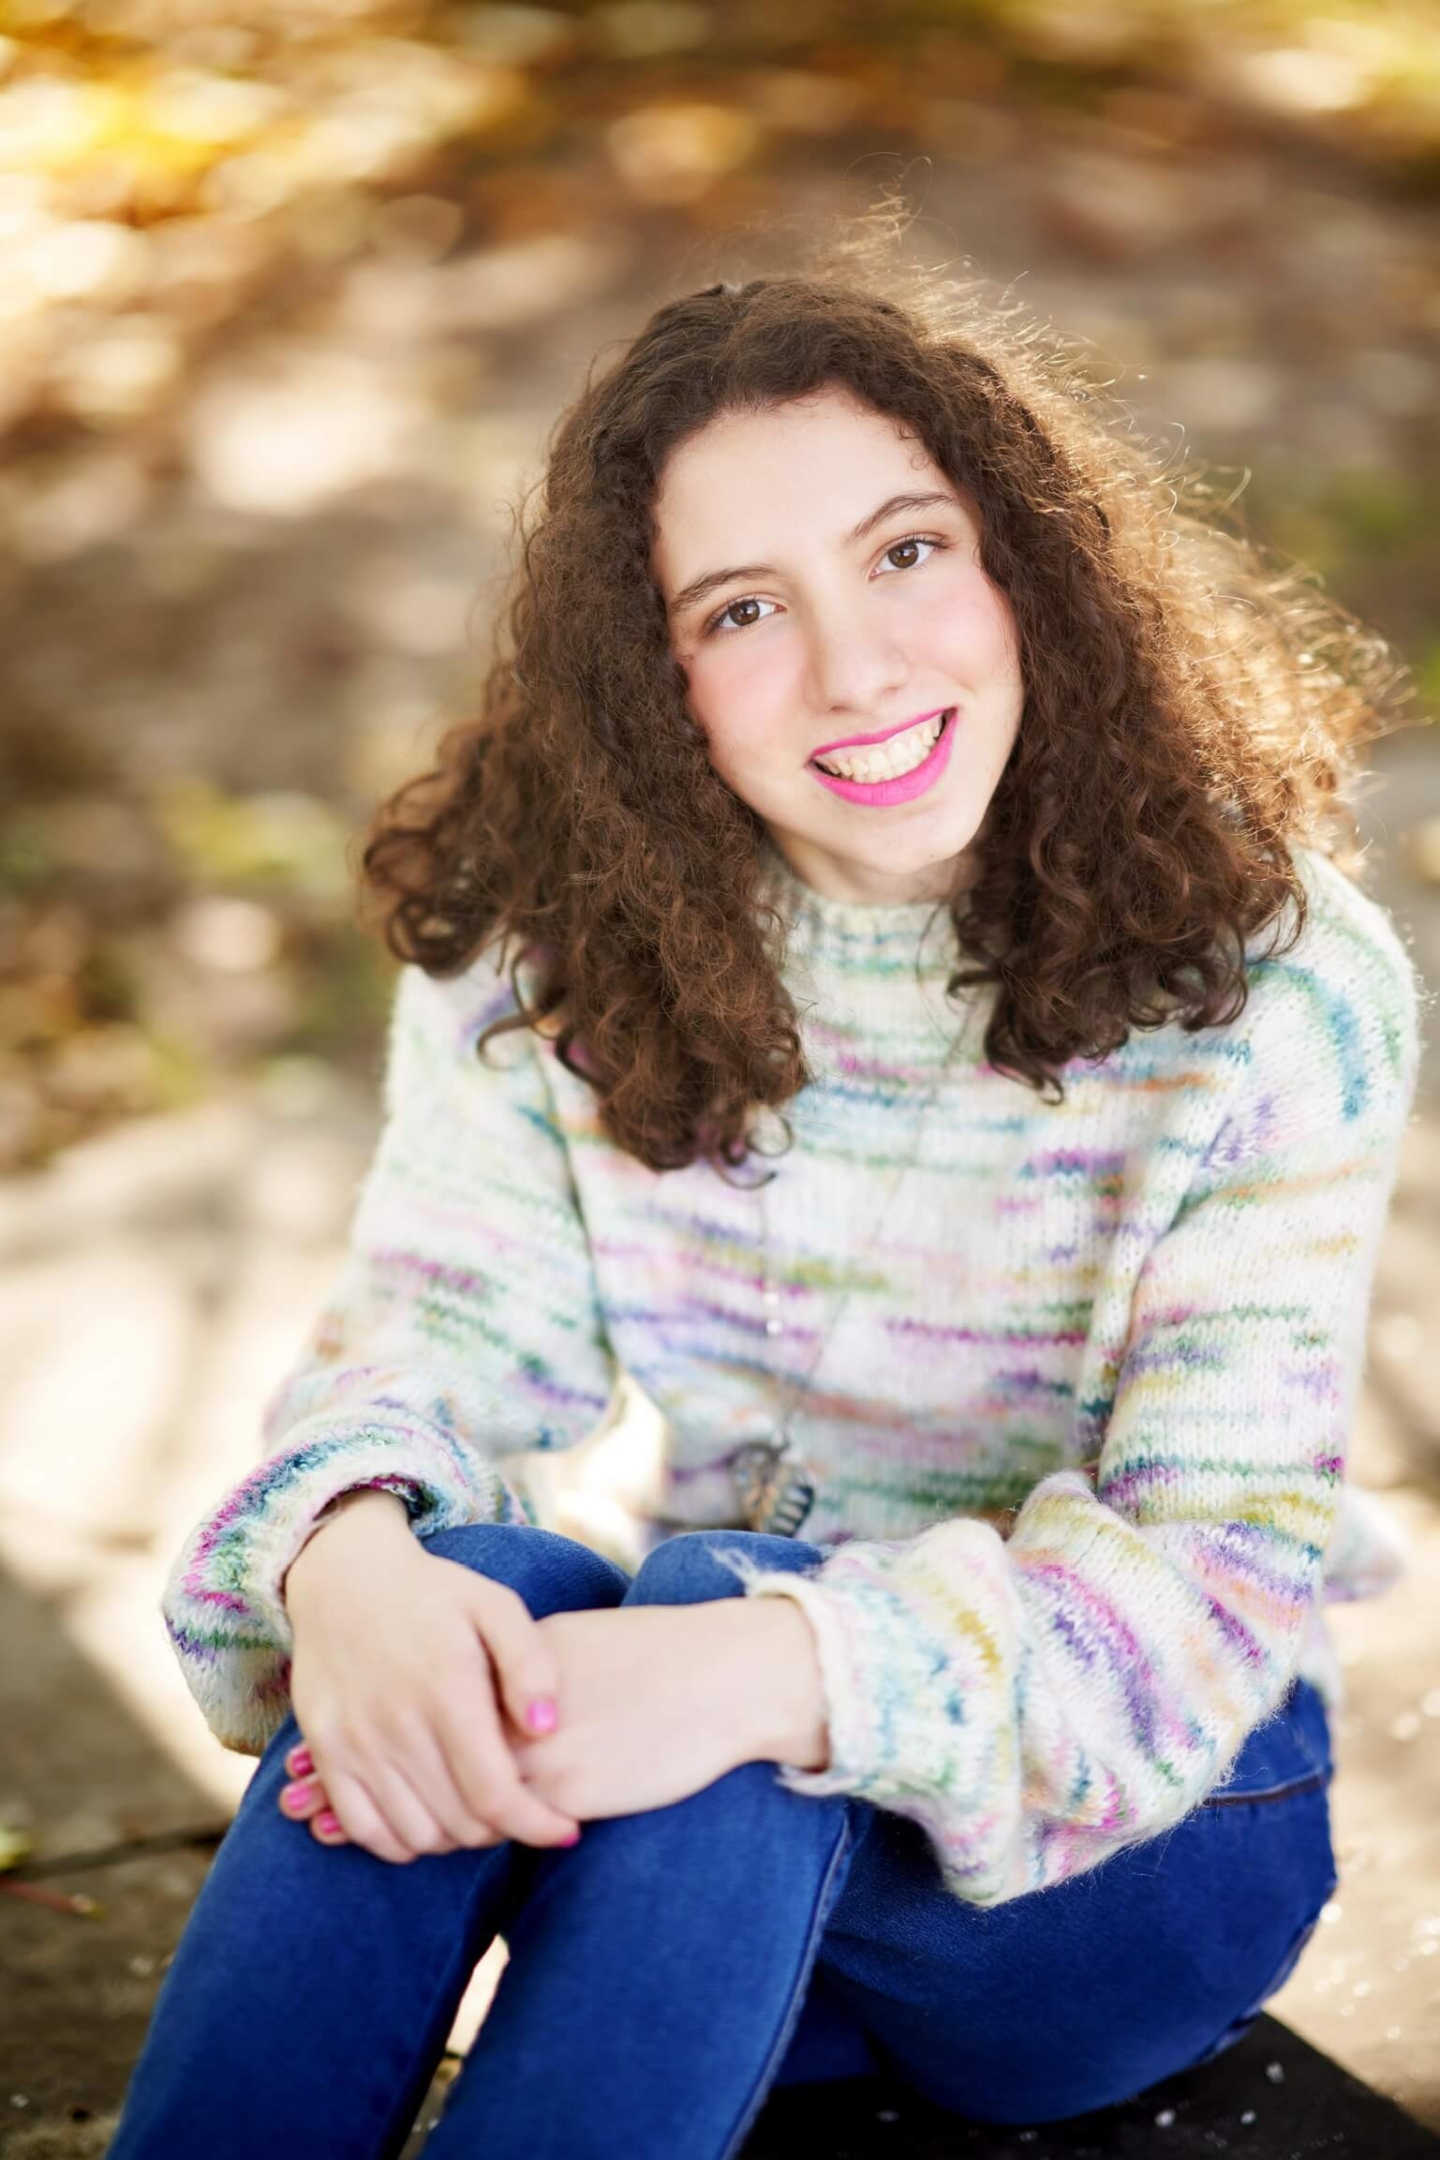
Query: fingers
{"points": [[487, 1773], [304, 1798], [392, 1822], [364, 1822], [527, 1671], [459, 1819], [447, 1772], [307, 1800]]}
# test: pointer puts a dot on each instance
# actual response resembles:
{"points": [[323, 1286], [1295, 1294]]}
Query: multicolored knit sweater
{"points": [[1079, 1434]]}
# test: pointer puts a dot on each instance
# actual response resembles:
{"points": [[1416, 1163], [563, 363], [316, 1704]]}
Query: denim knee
{"points": [[550, 1572], [689, 1568]]}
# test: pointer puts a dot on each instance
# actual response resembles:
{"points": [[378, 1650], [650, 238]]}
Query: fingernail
{"points": [[543, 1713], [297, 1796], [300, 1761], [328, 1821], [573, 1839]]}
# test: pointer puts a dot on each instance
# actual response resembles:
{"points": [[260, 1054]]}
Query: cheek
{"points": [[980, 632], [1004, 637], [734, 697]]}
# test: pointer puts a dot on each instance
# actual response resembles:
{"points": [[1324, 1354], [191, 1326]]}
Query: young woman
{"points": [[882, 755]]}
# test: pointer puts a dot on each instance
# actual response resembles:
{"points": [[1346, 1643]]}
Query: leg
{"points": [[1087, 1993], [314, 1988], [657, 1971]]}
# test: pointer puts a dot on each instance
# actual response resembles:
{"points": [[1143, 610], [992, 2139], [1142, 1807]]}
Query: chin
{"points": [[893, 849]]}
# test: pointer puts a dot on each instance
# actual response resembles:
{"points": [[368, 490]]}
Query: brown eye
{"points": [[912, 541], [717, 622]]}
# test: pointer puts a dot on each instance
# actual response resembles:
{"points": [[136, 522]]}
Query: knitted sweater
{"points": [[1079, 1434]]}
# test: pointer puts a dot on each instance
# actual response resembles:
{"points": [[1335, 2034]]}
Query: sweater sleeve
{"points": [[464, 1324], [1037, 1703]]}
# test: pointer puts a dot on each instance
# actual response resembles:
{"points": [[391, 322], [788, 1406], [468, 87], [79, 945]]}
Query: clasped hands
{"points": [[654, 1703]]}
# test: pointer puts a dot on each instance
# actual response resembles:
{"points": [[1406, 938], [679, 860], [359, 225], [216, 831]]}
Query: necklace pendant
{"points": [[775, 1489]]}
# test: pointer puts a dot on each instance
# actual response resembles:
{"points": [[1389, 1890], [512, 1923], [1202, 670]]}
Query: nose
{"points": [[856, 668]]}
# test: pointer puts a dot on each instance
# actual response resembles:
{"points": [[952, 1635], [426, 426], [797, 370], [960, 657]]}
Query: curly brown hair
{"points": [[1191, 713]]}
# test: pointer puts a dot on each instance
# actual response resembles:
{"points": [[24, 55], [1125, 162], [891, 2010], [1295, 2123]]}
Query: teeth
{"points": [[901, 754]]}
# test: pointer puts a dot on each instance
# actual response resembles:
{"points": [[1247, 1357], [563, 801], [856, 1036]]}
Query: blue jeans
{"points": [[673, 1966]]}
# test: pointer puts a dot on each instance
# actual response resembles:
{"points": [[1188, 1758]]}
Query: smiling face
{"points": [[811, 607]]}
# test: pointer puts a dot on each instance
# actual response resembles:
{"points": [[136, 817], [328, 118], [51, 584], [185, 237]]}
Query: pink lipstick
{"points": [[879, 794]]}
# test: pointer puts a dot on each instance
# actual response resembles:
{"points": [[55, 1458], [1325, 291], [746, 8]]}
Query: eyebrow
{"points": [[698, 588]]}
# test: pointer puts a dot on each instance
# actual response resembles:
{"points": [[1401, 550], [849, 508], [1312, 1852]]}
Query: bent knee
{"points": [[693, 1566], [552, 1573]]}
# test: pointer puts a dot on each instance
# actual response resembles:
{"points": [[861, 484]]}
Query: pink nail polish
{"points": [[300, 1761], [328, 1821], [297, 1796], [573, 1839], [543, 1714]]}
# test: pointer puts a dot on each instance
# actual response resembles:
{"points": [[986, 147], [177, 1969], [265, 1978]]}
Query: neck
{"points": [[839, 877]]}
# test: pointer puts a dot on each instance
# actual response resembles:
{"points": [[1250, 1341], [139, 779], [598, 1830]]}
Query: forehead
{"points": [[810, 468], [808, 432]]}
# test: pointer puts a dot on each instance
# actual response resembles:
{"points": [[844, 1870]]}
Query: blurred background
{"points": [[289, 299]]}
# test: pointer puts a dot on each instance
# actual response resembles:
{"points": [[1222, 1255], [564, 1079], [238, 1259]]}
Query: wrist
{"points": [[785, 1693], [351, 1516]]}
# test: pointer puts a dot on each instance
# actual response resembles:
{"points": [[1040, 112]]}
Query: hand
{"points": [[405, 1668], [656, 1702]]}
